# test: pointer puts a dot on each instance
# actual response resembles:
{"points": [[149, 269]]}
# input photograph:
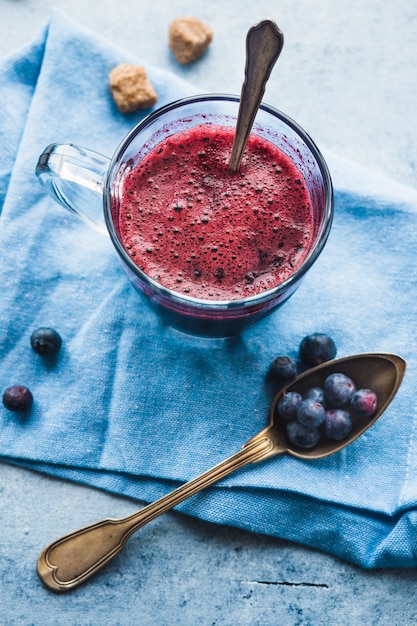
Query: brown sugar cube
{"points": [[189, 38], [131, 88]]}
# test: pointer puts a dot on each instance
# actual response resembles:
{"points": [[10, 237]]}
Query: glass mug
{"points": [[76, 178]]}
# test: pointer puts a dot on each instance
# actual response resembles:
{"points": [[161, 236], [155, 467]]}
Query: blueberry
{"points": [[337, 423], [364, 402], [284, 368], [46, 341], [339, 389], [316, 394], [302, 436], [288, 405], [311, 413], [317, 348], [17, 398]]}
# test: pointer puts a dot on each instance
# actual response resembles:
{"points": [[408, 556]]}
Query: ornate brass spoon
{"points": [[264, 43], [69, 561]]}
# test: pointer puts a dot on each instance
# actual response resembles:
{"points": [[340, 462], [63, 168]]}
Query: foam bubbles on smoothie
{"points": [[197, 227]]}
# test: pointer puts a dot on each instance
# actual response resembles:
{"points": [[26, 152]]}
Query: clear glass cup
{"points": [[89, 184]]}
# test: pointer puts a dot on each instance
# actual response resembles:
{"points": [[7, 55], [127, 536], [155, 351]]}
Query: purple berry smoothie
{"points": [[200, 229]]}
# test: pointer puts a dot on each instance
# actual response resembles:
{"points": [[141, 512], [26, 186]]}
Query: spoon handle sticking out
{"points": [[69, 561], [264, 43]]}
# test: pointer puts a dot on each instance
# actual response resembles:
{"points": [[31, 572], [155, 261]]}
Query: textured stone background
{"points": [[347, 74]]}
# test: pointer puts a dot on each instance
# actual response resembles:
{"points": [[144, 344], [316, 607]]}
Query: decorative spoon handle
{"points": [[69, 561], [263, 46]]}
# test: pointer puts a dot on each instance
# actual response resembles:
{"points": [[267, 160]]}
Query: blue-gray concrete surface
{"points": [[347, 76]]}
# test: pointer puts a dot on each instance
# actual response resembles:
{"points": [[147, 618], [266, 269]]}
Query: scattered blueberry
{"points": [[288, 405], [364, 402], [17, 398], [284, 368], [337, 424], [302, 436], [339, 389], [317, 348], [316, 394], [46, 341], [311, 413]]}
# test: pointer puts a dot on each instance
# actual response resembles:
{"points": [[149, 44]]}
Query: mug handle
{"points": [[74, 177]]}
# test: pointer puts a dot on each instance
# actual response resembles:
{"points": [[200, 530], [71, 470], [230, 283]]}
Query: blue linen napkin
{"points": [[131, 406]]}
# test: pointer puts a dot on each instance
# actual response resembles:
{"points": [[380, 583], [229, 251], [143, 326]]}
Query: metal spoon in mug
{"points": [[264, 43], [69, 561]]}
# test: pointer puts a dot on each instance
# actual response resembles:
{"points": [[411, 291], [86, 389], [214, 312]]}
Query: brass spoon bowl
{"points": [[382, 373], [69, 561]]}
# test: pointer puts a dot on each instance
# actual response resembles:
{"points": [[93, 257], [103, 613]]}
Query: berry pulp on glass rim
{"points": [[200, 229]]}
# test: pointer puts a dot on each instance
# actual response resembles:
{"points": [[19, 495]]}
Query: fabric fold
{"points": [[18, 75], [135, 408]]}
